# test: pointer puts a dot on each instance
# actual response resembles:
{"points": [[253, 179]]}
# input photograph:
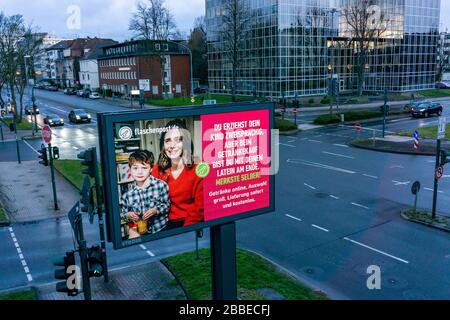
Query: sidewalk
{"points": [[150, 281], [26, 192]]}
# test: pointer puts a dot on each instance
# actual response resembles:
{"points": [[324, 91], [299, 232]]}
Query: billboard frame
{"points": [[106, 120]]}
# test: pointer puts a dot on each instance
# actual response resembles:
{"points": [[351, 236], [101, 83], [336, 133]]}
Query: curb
{"points": [[362, 121], [353, 144], [403, 215], [6, 223], [290, 133], [186, 294]]}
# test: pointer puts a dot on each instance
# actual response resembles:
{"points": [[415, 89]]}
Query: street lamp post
{"points": [[33, 99]]}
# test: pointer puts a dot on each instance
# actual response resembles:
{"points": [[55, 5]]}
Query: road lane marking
{"points": [[398, 183], [64, 111], [316, 141], [151, 254], [429, 189], [338, 155], [287, 145], [396, 167], [376, 250], [340, 145], [320, 228], [311, 187], [292, 217], [143, 247], [75, 148], [359, 205], [370, 176], [334, 197], [31, 147], [319, 165], [21, 257]]}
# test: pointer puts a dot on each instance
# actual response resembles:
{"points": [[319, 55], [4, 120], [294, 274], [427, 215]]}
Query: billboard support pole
{"points": [[223, 260]]}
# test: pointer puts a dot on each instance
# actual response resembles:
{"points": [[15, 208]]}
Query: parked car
{"points": [[79, 115], [54, 120], [426, 109], [442, 85], [94, 95], [80, 93], [70, 91], [51, 88], [29, 110], [200, 90]]}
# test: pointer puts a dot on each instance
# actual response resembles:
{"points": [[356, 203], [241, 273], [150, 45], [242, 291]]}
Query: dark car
{"points": [[70, 91], [51, 88], [200, 90], [426, 109], [54, 120], [408, 107], [79, 115], [29, 110]]}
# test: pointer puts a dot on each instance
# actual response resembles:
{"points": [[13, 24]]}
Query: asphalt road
{"points": [[337, 214]]}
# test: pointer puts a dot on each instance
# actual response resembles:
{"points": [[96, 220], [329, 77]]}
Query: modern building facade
{"points": [[293, 47], [161, 67]]}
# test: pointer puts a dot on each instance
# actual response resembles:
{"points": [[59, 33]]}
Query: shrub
{"points": [[353, 100], [325, 100], [285, 125], [311, 101], [327, 119]]}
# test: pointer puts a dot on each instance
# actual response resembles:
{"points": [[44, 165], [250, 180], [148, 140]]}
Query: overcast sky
{"points": [[109, 18]]}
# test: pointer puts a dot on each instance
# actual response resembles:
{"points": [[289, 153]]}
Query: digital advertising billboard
{"points": [[171, 171]]}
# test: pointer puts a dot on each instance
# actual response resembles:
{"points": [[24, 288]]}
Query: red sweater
{"points": [[186, 195]]}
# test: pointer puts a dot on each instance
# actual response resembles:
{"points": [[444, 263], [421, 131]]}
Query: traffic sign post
{"points": [[441, 128], [46, 134], [295, 111], [358, 129], [436, 180], [439, 172]]}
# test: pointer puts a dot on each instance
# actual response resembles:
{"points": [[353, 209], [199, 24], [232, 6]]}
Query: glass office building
{"points": [[293, 46]]}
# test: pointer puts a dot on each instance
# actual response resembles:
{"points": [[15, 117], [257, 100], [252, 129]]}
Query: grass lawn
{"points": [[71, 169], [21, 295], [427, 132], [435, 93], [253, 273], [24, 125], [3, 215], [186, 101]]}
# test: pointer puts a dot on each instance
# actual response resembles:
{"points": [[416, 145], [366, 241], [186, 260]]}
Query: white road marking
{"points": [[319, 165], [19, 250], [14, 239], [396, 167], [340, 145], [26, 270], [24, 263], [292, 217], [429, 189], [398, 183], [311, 187], [316, 141], [30, 146], [360, 205], [21, 257], [320, 228], [143, 247], [16, 244], [370, 176], [75, 148], [338, 155], [150, 253], [29, 277], [334, 197], [64, 111], [376, 250], [287, 145]]}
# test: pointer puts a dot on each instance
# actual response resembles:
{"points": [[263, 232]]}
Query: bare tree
{"points": [[236, 18], [198, 45], [365, 22], [153, 21]]}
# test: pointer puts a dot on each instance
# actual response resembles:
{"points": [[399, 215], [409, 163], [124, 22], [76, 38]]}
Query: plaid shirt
{"points": [[153, 194]]}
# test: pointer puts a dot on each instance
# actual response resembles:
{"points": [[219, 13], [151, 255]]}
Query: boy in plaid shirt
{"points": [[148, 197]]}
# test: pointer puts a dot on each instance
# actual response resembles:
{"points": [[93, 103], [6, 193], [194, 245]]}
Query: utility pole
{"points": [[52, 170], [435, 190]]}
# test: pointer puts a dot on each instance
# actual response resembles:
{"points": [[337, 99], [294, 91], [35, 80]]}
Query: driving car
{"points": [[29, 110], [54, 120], [79, 115], [80, 93], [442, 85], [426, 109], [94, 95], [52, 88], [408, 107]]}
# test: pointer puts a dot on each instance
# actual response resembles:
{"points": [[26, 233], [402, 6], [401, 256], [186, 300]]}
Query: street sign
{"points": [[358, 127], [441, 128], [439, 172], [73, 218], [193, 99], [144, 84], [135, 92], [47, 134], [208, 102], [415, 188], [416, 134]]}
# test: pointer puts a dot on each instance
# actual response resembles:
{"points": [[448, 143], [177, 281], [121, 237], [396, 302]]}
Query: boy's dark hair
{"points": [[143, 156]]}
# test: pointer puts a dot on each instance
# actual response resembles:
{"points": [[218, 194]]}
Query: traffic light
{"points": [[88, 158], [95, 262], [55, 153], [43, 155], [444, 159], [71, 285]]}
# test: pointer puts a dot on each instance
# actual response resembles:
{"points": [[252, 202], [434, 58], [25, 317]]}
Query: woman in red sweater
{"points": [[176, 167]]}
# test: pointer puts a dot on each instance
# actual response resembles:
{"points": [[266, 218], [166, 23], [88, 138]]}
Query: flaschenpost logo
{"points": [[125, 133]]}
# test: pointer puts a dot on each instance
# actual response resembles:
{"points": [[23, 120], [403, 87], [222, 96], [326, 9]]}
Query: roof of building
{"points": [[98, 49]]}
